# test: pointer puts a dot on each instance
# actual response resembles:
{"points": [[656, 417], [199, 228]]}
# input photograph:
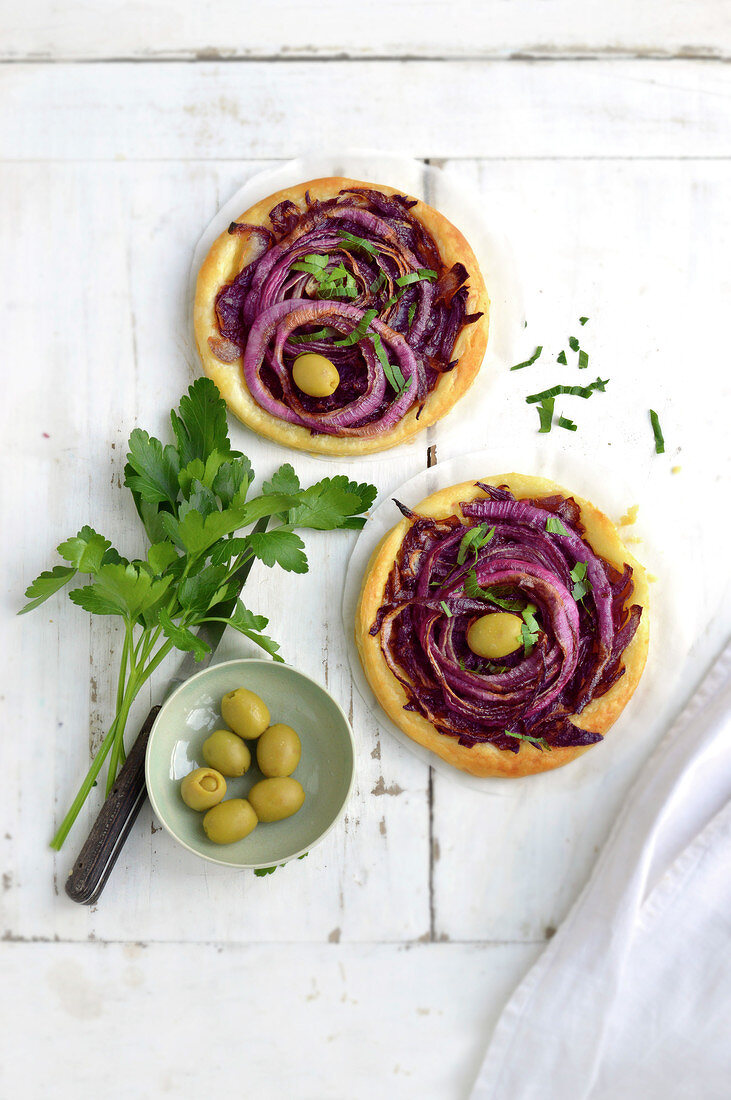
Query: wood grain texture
{"points": [[612, 180], [49, 29], [323, 1025], [626, 243], [266, 110]]}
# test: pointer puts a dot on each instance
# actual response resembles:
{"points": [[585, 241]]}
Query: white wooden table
{"points": [[600, 135]]}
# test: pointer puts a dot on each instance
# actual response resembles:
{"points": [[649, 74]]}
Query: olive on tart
{"points": [[341, 317], [503, 625]]}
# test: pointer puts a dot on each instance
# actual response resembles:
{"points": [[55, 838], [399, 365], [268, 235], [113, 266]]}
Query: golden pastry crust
{"points": [[486, 759], [230, 253]]}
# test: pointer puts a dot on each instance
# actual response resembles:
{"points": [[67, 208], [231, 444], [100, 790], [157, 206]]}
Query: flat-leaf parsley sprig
{"points": [[192, 497]]}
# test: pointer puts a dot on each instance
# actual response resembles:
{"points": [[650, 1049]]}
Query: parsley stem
{"points": [[84, 789]]}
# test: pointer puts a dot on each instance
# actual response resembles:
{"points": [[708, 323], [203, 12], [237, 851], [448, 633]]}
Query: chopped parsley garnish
{"points": [[545, 414], [561, 358], [530, 628], [473, 589], [529, 362], [391, 370], [473, 539], [583, 360], [577, 391], [358, 242], [539, 742], [582, 584], [412, 313], [378, 283], [417, 276], [564, 422], [308, 337], [333, 282], [359, 331], [657, 431], [573, 343], [583, 320], [445, 609], [555, 527]]}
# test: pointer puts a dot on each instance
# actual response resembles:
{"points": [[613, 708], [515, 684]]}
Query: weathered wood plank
{"points": [[49, 29], [630, 245], [297, 1021], [111, 352], [464, 109]]}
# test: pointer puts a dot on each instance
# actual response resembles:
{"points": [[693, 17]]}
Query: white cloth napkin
{"points": [[632, 996]]}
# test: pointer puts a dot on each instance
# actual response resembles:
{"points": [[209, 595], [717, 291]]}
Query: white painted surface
{"points": [[612, 181], [378, 28]]}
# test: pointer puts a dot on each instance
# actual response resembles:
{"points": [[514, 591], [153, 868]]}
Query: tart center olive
{"points": [[315, 375], [495, 635]]}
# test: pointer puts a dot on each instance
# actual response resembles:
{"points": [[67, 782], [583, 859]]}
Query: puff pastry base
{"points": [[230, 253], [486, 759]]}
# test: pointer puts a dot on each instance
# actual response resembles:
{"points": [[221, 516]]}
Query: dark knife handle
{"points": [[96, 860]]}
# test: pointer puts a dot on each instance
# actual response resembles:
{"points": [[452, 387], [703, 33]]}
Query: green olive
{"points": [[275, 799], [315, 375], [230, 821], [278, 751], [203, 788], [245, 713], [495, 634], [227, 752]]}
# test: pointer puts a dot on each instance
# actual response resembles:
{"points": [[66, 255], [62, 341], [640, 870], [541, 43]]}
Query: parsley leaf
{"points": [[583, 360], [152, 470], [561, 358], [191, 496], [284, 480], [44, 586], [331, 503], [564, 422], [124, 590], [573, 343], [250, 626], [583, 320], [200, 424], [582, 584], [280, 547], [182, 637], [86, 551]]}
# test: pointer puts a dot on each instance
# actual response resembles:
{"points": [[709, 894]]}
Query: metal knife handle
{"points": [[110, 830]]}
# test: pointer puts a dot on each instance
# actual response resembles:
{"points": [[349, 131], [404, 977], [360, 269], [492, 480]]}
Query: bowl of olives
{"points": [[249, 763]]}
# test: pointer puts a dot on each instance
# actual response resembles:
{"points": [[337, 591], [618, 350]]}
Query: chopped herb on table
{"points": [[657, 432], [192, 497], [529, 362]]}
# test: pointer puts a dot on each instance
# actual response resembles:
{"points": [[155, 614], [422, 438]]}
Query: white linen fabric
{"points": [[632, 996]]}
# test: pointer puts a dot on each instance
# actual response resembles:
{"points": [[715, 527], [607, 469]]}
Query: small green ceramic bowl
{"points": [[325, 770]]}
